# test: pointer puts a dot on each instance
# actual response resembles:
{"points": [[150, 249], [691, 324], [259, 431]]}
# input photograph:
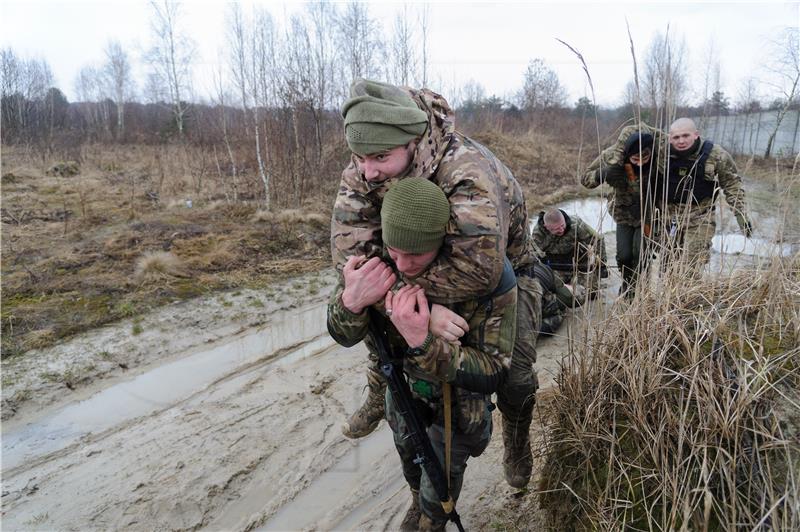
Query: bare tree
{"points": [[424, 26], [472, 92], [117, 71], [541, 88], [541, 91], [25, 89], [403, 58], [252, 63], [748, 100], [664, 81], [170, 58], [361, 44], [784, 67], [711, 78], [221, 101], [91, 90]]}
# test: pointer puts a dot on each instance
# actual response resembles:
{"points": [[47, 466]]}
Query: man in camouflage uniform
{"points": [[572, 248], [628, 167], [395, 133], [695, 172], [414, 217]]}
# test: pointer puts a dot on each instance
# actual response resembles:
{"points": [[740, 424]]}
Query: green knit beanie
{"points": [[414, 216], [379, 117]]}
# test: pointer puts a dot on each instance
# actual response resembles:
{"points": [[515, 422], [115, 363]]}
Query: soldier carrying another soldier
{"points": [[414, 216], [395, 133]]}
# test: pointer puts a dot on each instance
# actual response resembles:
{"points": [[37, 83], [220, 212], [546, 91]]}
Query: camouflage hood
{"points": [[433, 144]]}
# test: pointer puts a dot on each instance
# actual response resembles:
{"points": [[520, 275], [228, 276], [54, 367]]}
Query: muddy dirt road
{"points": [[223, 414], [238, 433]]}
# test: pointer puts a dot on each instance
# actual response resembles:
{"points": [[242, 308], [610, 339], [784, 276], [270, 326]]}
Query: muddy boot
{"points": [[427, 525], [411, 520], [517, 458], [366, 418]]}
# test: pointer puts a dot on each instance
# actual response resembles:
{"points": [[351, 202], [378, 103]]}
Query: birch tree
{"points": [[117, 72], [170, 58]]}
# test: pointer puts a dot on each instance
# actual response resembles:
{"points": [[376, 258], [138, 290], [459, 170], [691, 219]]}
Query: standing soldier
{"points": [[395, 133], [696, 171], [627, 167], [572, 248], [414, 217]]}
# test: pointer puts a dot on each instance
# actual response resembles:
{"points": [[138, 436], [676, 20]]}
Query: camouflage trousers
{"points": [[684, 237], [552, 314], [517, 395], [463, 446]]}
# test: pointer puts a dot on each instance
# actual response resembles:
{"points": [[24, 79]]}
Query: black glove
{"points": [[603, 272], [614, 175]]}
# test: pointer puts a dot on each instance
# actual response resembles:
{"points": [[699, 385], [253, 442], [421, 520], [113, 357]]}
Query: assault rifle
{"points": [[392, 369]]}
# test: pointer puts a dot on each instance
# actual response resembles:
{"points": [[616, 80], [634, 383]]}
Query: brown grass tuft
{"points": [[157, 265], [290, 216], [683, 412]]}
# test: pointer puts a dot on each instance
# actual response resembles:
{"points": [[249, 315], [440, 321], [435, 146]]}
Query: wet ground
{"points": [[232, 420]]}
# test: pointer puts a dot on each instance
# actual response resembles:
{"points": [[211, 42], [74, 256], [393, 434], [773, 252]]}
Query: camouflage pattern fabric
{"points": [[488, 214], [485, 355], [572, 250], [721, 169], [517, 395], [624, 202], [686, 235], [463, 446]]}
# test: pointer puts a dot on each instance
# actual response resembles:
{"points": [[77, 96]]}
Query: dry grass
{"points": [[156, 265], [684, 413], [118, 239], [289, 216]]}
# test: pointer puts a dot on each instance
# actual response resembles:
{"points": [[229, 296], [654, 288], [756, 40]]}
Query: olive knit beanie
{"points": [[379, 117], [414, 216]]}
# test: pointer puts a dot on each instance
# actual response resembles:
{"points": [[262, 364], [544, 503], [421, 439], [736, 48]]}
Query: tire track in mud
{"points": [[239, 422]]}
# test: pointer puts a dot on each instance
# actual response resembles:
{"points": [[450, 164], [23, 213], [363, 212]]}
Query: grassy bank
{"points": [[131, 228]]}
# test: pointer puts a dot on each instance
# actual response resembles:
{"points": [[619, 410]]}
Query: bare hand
{"points": [[408, 311], [365, 283], [447, 324]]}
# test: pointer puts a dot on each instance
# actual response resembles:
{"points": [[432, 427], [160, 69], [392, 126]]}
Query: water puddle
{"points": [[593, 211], [740, 245], [292, 336]]}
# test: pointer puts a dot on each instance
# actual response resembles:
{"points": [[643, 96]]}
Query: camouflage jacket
{"points": [[479, 364], [721, 169], [572, 248], [488, 217], [625, 201]]}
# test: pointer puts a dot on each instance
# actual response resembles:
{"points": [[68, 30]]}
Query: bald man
{"points": [[572, 248], [697, 169]]}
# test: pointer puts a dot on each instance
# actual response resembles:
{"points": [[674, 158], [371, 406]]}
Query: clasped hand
{"points": [[365, 283], [408, 311]]}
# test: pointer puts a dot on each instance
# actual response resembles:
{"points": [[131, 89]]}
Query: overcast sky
{"points": [[490, 42]]}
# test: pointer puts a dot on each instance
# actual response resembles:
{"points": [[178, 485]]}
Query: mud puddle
{"points": [[291, 337]]}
